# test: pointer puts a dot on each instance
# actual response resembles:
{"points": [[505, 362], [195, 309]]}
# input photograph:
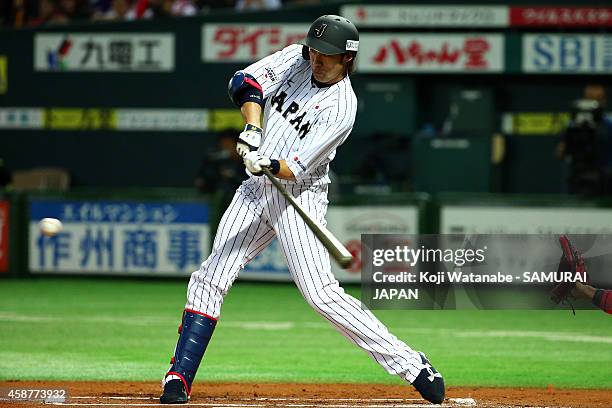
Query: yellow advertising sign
{"points": [[540, 123], [80, 119], [3, 74], [221, 119]]}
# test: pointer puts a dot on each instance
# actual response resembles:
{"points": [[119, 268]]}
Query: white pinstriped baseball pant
{"points": [[257, 214]]}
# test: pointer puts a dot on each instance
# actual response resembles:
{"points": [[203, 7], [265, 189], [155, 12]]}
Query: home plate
{"points": [[468, 402]]}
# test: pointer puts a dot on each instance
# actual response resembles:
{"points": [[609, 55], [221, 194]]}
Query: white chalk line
{"points": [[552, 336], [279, 402], [264, 398], [457, 400]]}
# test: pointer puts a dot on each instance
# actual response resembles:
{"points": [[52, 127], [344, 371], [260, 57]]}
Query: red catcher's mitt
{"points": [[571, 261]]}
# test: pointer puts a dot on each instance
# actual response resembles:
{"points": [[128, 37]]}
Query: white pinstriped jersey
{"points": [[303, 123]]}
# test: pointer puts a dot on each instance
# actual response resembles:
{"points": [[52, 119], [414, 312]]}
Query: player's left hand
{"points": [[248, 140], [254, 162]]}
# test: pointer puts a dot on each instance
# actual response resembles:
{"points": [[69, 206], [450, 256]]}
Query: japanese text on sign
{"points": [[120, 237], [104, 52], [247, 42], [432, 53]]}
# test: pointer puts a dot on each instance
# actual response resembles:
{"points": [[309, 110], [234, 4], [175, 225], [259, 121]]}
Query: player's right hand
{"points": [[248, 140], [255, 161]]}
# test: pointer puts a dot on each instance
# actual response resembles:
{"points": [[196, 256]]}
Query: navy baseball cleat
{"points": [[174, 393], [429, 383]]}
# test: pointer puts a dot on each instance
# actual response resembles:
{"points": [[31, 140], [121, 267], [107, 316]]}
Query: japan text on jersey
{"points": [[304, 123]]}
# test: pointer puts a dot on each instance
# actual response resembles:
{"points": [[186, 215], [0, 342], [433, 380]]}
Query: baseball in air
{"points": [[50, 226]]}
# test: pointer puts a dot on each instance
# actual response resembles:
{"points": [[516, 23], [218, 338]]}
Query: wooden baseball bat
{"points": [[329, 241]]}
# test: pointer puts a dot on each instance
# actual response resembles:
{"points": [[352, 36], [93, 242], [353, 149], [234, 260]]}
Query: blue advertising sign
{"points": [[120, 237], [270, 264], [567, 53]]}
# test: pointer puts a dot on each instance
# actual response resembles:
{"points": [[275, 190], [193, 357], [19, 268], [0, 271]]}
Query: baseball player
{"points": [[309, 108]]}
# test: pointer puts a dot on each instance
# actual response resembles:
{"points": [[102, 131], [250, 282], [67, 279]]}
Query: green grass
{"points": [[102, 329]]}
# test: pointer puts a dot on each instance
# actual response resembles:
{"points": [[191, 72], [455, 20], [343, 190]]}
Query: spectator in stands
{"points": [[164, 8], [184, 8], [119, 10], [586, 144], [384, 163], [49, 13], [373, 169], [18, 13], [254, 5], [214, 4], [222, 170], [597, 93], [153, 8], [99, 7], [76, 10]]}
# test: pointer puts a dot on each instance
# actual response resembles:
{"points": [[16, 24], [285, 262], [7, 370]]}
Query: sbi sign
{"points": [[567, 53]]}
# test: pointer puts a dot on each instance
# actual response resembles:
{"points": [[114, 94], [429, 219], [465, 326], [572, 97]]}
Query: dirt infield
{"points": [[230, 395]]}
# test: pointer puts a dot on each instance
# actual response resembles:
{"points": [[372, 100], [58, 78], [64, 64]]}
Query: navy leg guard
{"points": [[195, 333]]}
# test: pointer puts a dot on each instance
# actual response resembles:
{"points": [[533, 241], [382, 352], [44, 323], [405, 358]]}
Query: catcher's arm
{"points": [[602, 298], [581, 291]]}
